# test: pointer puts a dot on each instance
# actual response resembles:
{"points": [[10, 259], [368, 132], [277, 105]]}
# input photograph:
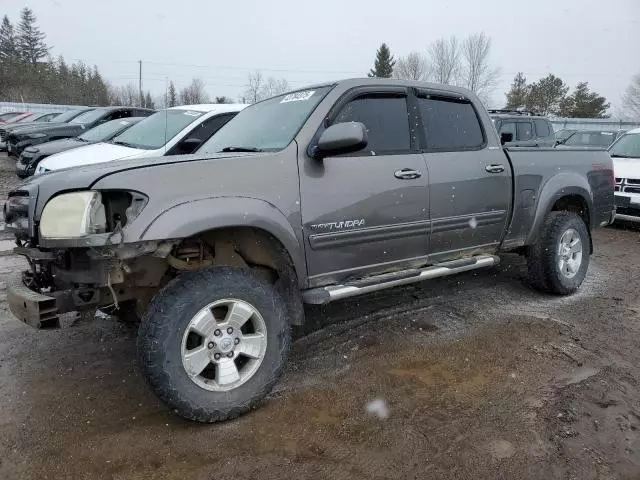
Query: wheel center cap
{"points": [[226, 344]]}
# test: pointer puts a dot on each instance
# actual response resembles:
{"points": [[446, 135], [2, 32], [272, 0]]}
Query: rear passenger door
{"points": [[367, 212], [469, 183]]}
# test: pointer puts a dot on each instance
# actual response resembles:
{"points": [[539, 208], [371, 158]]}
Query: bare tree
{"points": [[194, 93], [273, 87], [444, 58], [477, 73], [257, 88], [124, 95], [631, 98], [412, 67], [253, 87]]}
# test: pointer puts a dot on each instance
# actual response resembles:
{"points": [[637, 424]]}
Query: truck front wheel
{"points": [[213, 343], [558, 261]]}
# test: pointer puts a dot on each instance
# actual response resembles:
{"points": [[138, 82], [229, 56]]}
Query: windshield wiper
{"points": [[617, 155], [240, 149], [124, 144]]}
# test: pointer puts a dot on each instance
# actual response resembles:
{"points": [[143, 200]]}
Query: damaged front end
{"points": [[78, 261]]}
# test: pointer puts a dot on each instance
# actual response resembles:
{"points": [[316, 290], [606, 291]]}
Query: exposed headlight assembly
{"points": [[73, 215]]}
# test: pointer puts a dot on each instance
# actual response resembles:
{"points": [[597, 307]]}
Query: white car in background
{"points": [[625, 153], [174, 131]]}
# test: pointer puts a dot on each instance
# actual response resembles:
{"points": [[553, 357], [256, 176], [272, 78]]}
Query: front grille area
{"points": [[3, 135], [627, 185]]}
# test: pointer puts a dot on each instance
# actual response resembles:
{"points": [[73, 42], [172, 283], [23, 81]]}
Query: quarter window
{"points": [[450, 124], [385, 118], [542, 128]]}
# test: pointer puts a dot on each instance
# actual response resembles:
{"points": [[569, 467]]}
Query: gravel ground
{"points": [[474, 376]]}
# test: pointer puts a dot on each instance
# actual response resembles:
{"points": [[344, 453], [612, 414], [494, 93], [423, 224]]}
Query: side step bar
{"points": [[322, 295]]}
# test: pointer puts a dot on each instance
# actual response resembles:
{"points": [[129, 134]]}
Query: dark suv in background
{"points": [[526, 128]]}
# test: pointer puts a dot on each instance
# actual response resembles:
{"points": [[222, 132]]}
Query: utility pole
{"points": [[140, 83]]}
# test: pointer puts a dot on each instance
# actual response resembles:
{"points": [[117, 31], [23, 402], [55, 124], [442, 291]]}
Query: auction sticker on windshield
{"points": [[298, 96]]}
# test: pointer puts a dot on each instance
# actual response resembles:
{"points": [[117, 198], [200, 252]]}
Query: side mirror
{"points": [[189, 145], [506, 137], [341, 138]]}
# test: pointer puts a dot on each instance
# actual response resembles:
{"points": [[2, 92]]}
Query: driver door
{"points": [[367, 212]]}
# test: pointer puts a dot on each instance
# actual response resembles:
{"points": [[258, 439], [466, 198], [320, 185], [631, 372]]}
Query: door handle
{"points": [[495, 168], [407, 174]]}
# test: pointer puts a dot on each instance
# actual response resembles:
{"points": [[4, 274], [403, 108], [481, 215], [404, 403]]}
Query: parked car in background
{"points": [[525, 128], [312, 196], [18, 141], [31, 156], [563, 134], [174, 131], [6, 116], [590, 139], [28, 127], [625, 153], [18, 118], [41, 117]]}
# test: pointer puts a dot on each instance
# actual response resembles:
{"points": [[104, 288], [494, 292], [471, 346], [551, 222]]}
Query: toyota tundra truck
{"points": [[322, 194]]}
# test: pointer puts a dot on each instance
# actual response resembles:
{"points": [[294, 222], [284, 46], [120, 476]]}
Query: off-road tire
{"points": [[542, 257], [162, 328]]}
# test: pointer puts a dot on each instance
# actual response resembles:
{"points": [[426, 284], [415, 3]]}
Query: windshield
{"points": [[595, 139], [89, 116], [267, 125], [627, 146], [104, 132], [6, 116], [156, 130], [28, 118]]}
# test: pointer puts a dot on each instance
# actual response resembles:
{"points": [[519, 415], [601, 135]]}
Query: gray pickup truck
{"points": [[321, 194]]}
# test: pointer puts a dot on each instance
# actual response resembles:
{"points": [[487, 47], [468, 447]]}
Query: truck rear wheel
{"points": [[214, 342], [559, 260]]}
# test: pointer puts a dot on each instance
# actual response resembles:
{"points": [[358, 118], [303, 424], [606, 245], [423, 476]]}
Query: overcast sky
{"points": [[221, 40]]}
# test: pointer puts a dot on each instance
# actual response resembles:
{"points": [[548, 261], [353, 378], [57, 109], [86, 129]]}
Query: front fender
{"points": [[193, 217], [558, 186]]}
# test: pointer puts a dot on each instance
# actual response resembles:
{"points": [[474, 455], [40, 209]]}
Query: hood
{"points": [[57, 146], [626, 167], [90, 154], [46, 185], [68, 129]]}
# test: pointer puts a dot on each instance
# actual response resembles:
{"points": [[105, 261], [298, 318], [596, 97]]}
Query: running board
{"points": [[322, 295]]}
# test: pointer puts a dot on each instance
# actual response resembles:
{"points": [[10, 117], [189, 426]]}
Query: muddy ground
{"points": [[481, 376]]}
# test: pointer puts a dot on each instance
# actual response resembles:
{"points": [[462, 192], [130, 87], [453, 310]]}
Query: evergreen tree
{"points": [[172, 99], [583, 103], [148, 101], [546, 95], [8, 42], [517, 95], [384, 63], [31, 45]]}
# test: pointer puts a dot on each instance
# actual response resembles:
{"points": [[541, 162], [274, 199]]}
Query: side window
{"points": [[542, 128], [450, 124], [385, 118], [201, 133], [525, 131], [508, 127], [210, 126]]}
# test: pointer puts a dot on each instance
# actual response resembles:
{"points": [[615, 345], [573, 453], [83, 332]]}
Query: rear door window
{"points": [[385, 118], [450, 124], [525, 131]]}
